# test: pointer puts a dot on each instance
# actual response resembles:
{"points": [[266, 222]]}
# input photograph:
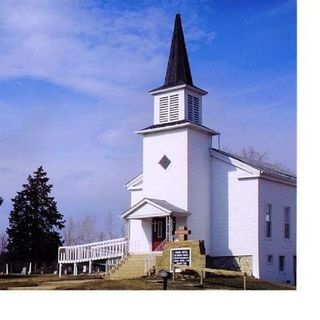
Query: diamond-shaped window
{"points": [[165, 162]]}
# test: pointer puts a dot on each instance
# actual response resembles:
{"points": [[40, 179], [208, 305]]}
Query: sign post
{"points": [[164, 275]]}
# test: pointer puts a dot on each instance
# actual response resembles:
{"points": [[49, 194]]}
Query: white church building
{"points": [[238, 207], [242, 211]]}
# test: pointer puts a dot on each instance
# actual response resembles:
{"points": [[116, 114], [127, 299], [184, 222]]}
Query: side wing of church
{"points": [[239, 208]]}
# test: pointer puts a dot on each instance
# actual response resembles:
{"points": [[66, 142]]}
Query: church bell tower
{"points": [[178, 99], [176, 157]]}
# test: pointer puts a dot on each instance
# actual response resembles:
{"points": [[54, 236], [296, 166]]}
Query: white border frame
{"points": [[181, 248]]}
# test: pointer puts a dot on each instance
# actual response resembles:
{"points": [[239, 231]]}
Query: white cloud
{"points": [[97, 50]]}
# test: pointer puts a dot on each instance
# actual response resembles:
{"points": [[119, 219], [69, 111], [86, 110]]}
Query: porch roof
{"points": [[149, 208]]}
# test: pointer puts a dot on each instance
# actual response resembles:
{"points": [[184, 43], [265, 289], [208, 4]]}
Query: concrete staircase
{"points": [[132, 267]]}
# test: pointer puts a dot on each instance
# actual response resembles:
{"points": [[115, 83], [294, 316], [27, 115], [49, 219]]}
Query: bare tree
{"points": [[109, 225], [282, 167], [3, 242], [123, 228], [69, 232], [87, 229], [251, 153], [261, 157], [101, 236], [81, 230]]}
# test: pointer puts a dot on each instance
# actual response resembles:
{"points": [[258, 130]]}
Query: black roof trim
{"points": [[166, 124], [167, 87], [174, 123]]}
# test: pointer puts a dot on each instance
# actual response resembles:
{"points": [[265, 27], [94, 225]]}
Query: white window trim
{"points": [[182, 248]]}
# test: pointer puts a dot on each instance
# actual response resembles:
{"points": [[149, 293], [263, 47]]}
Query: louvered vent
{"points": [[174, 107], [193, 109], [164, 110], [190, 108], [196, 116], [169, 108]]}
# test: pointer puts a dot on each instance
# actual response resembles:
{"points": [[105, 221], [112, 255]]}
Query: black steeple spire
{"points": [[178, 69]]}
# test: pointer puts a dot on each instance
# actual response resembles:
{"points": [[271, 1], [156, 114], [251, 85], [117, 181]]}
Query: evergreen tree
{"points": [[35, 222]]}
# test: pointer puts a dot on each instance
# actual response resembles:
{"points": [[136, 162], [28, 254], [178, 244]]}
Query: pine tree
{"points": [[34, 222]]}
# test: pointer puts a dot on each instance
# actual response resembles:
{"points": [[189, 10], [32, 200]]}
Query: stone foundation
{"points": [[235, 263], [199, 260]]}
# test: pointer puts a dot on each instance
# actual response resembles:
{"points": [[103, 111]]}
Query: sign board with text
{"points": [[180, 256]]}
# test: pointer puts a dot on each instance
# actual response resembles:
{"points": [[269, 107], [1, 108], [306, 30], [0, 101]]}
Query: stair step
{"points": [[132, 267]]}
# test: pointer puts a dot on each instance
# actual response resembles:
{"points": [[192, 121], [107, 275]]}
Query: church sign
{"points": [[180, 256]]}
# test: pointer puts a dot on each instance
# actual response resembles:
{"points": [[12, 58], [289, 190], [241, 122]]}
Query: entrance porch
{"points": [[150, 223]]}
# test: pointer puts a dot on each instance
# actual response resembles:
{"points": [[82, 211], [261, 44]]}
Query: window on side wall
{"points": [[270, 259], [268, 220], [281, 263], [286, 230]]}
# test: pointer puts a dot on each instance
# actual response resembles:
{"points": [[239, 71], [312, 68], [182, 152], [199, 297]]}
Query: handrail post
{"points": [[60, 270]]}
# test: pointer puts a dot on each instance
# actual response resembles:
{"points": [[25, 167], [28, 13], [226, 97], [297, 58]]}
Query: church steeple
{"points": [[178, 99], [178, 69]]}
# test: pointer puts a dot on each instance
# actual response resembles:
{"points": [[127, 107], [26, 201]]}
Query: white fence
{"points": [[116, 248]]}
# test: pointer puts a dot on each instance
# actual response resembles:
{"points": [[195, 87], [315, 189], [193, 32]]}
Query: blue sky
{"points": [[74, 77]]}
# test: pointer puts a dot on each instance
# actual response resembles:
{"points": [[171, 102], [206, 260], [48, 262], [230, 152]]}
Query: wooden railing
{"points": [[102, 250]]}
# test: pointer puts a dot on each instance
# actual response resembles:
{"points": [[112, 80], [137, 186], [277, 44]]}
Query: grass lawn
{"points": [[96, 282]]}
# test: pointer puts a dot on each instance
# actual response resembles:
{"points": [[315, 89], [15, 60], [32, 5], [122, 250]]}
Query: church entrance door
{"points": [[158, 232]]}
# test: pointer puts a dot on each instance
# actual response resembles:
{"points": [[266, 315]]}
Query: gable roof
{"points": [[161, 208], [264, 168], [135, 183]]}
